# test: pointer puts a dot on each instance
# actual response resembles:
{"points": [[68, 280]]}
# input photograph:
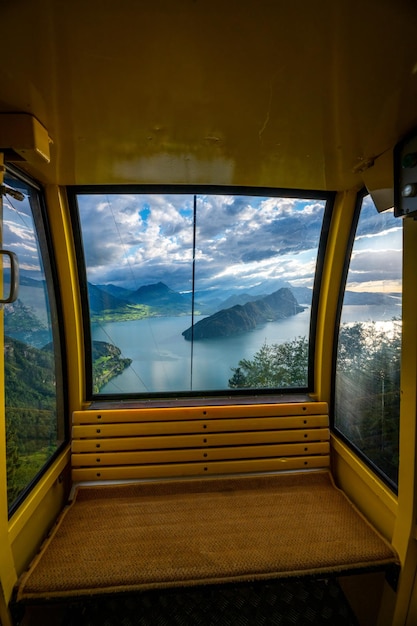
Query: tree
{"points": [[276, 365], [13, 462], [367, 398]]}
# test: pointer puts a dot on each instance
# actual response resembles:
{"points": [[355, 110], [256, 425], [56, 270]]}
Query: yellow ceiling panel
{"points": [[249, 92]]}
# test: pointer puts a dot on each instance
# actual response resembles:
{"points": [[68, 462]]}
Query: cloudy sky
{"points": [[19, 236], [376, 263], [241, 242]]}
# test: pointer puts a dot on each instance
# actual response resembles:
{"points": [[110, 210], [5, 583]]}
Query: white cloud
{"points": [[239, 239]]}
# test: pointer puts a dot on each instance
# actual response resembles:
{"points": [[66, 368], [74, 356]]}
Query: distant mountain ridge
{"points": [[370, 298], [159, 295], [100, 300], [157, 299], [303, 295], [242, 318]]}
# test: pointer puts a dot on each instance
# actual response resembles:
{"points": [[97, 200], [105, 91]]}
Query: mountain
{"points": [[100, 300], [371, 298], [32, 294], [18, 318], [241, 298], [159, 296], [303, 295], [118, 292], [30, 378], [22, 322], [242, 318], [157, 299]]}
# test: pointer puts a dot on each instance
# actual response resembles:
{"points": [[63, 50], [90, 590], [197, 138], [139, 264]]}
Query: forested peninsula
{"points": [[242, 318], [30, 371], [107, 363]]}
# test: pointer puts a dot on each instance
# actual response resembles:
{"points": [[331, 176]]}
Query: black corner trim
{"points": [[392, 575]]}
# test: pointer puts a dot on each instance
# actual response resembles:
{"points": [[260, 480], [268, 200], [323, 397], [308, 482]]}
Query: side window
{"points": [[34, 402], [367, 374]]}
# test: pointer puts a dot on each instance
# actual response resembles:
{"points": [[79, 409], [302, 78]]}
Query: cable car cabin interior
{"points": [[208, 254]]}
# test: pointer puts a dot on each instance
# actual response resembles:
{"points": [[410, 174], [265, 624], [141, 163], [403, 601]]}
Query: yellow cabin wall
{"points": [[391, 515], [360, 483], [244, 92], [367, 491], [29, 525], [219, 93], [338, 237], [21, 536], [7, 566], [394, 516], [66, 266], [405, 539], [31, 522]]}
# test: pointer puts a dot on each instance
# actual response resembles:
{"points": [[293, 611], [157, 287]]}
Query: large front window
{"points": [[198, 292]]}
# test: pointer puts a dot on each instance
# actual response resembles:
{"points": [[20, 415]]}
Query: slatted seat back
{"points": [[128, 444]]}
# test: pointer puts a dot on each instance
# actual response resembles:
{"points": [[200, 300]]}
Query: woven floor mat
{"points": [[183, 533]]}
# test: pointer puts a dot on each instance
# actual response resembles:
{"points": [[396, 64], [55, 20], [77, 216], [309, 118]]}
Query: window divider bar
{"points": [[193, 290]]}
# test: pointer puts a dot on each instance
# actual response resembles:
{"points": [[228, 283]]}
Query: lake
{"points": [[161, 357]]}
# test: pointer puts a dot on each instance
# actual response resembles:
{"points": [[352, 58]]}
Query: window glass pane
{"points": [[199, 292], [368, 358], [33, 378]]}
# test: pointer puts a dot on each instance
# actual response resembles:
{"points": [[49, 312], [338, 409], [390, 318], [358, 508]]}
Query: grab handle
{"points": [[14, 277]]}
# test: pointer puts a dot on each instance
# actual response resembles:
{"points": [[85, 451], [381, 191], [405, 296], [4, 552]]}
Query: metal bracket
{"points": [[17, 195]]}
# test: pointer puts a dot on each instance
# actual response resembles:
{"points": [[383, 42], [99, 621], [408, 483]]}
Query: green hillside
{"points": [[31, 405]]}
